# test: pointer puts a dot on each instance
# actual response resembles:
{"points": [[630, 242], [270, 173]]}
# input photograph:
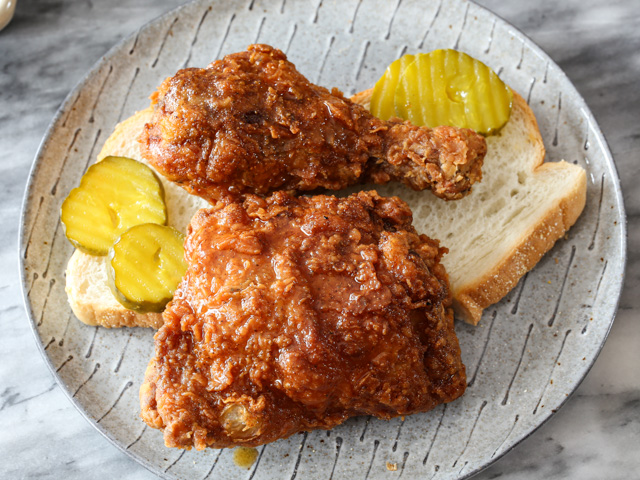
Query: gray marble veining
{"points": [[50, 45]]}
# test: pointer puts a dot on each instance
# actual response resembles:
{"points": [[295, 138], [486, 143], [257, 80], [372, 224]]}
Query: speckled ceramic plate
{"points": [[526, 357]]}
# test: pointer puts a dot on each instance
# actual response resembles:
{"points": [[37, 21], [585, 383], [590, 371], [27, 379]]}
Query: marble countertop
{"points": [[48, 48]]}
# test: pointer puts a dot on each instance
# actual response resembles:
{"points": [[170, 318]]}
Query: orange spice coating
{"points": [[298, 313], [251, 123]]}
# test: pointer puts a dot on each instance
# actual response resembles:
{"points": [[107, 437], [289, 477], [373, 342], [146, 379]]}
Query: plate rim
{"points": [[26, 203], [608, 157], [115, 49]]}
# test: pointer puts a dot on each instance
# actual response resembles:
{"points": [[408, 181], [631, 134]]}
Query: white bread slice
{"points": [[494, 235], [510, 220], [87, 288]]}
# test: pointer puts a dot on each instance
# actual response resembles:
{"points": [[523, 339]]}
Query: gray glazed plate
{"points": [[526, 357]]}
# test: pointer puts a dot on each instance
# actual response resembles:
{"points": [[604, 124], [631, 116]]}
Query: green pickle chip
{"points": [[146, 265], [114, 195], [444, 87], [384, 91]]}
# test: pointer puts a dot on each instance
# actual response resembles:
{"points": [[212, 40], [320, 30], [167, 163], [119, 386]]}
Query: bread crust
{"points": [[92, 301], [482, 290], [124, 139], [471, 299]]}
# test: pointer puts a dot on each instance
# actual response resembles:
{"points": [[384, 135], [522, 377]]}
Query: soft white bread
{"points": [[494, 235], [86, 277], [511, 218], [91, 299]]}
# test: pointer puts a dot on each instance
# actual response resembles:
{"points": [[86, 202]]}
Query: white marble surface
{"points": [[51, 44]]}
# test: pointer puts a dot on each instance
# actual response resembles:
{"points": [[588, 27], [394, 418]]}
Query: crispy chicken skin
{"points": [[296, 314], [251, 123]]}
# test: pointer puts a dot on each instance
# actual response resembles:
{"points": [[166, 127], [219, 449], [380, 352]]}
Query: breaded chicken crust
{"points": [[298, 313], [251, 123]]}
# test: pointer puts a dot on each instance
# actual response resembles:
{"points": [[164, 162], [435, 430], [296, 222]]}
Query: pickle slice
{"points": [[447, 87], [382, 97], [114, 195], [145, 266]]}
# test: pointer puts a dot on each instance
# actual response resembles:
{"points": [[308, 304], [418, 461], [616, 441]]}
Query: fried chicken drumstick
{"points": [[296, 314], [251, 123]]}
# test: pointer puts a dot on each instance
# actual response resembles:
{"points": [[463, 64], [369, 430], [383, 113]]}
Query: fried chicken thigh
{"points": [[251, 123], [296, 314]]}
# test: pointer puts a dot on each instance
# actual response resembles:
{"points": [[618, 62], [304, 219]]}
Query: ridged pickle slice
{"points": [[146, 265], [447, 87], [114, 195], [382, 97]]}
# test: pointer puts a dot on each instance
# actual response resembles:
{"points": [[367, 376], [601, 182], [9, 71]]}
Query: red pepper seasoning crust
{"points": [[298, 313]]}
